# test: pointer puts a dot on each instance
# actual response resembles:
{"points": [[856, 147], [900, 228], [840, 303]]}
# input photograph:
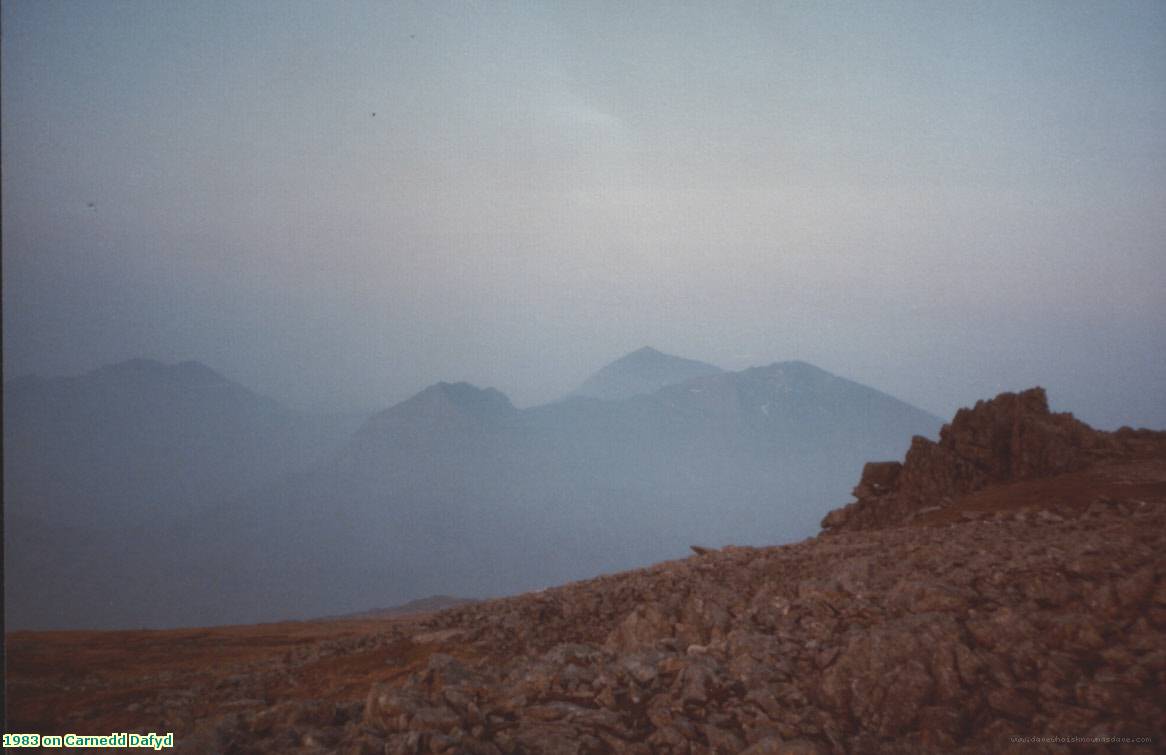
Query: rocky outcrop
{"points": [[1011, 437]]}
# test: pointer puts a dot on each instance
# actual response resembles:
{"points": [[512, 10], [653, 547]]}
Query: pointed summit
{"points": [[644, 370]]}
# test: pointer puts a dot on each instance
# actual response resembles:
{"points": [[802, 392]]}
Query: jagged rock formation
{"points": [[1011, 437]]}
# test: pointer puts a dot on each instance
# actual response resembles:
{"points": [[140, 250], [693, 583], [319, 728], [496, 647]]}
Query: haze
{"points": [[339, 205]]}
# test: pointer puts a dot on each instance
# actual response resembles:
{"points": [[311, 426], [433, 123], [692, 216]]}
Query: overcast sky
{"points": [[337, 205]]}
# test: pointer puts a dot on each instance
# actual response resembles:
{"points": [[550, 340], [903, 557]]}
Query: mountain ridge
{"points": [[473, 400], [479, 498], [454, 490]]}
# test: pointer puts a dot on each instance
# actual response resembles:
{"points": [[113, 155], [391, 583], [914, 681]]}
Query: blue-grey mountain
{"points": [[109, 474], [456, 491]]}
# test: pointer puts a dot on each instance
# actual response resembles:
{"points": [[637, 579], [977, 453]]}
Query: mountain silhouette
{"points": [[168, 495], [454, 490], [642, 371]]}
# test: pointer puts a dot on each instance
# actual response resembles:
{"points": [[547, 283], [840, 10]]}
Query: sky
{"points": [[337, 205]]}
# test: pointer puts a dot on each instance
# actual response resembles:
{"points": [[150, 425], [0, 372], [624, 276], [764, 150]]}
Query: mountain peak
{"points": [[644, 370], [444, 406]]}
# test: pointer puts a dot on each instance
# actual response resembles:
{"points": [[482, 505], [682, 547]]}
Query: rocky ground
{"points": [[1025, 599]]}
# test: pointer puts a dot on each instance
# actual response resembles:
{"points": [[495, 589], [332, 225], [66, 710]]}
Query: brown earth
{"points": [[1030, 603], [95, 681]]}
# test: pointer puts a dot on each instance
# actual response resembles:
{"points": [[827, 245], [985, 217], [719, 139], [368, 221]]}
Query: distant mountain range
{"points": [[248, 512]]}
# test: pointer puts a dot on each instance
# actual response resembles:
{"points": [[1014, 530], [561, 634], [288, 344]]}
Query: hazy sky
{"points": [[939, 199]]}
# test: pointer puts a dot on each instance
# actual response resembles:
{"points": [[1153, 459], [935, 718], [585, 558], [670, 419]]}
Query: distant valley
{"points": [[151, 495]]}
